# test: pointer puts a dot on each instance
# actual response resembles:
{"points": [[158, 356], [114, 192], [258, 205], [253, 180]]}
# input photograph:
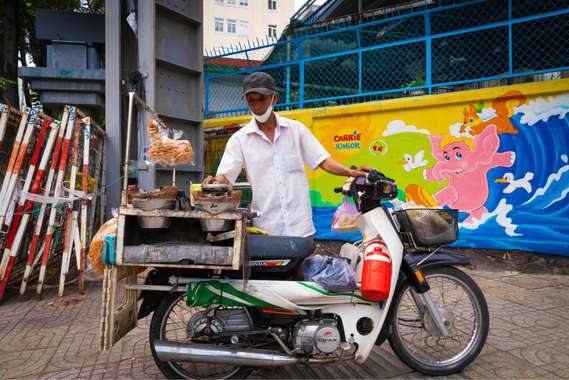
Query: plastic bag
{"points": [[98, 243], [167, 149], [345, 218], [334, 273]]}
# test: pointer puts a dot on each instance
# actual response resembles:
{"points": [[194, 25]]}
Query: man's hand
{"points": [[360, 171], [208, 180], [217, 179], [333, 167]]}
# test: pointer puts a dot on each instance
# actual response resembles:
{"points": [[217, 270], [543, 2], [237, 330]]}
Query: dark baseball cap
{"points": [[259, 82]]}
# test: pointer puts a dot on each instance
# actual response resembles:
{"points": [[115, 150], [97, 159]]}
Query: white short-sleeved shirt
{"points": [[275, 170]]}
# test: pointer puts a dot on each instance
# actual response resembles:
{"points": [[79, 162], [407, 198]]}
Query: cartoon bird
{"points": [[514, 184], [409, 162]]}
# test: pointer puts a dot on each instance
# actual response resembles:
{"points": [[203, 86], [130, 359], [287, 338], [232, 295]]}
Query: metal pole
{"points": [[428, 53], [288, 70], [147, 50], [131, 96], [301, 85], [300, 56], [510, 40], [206, 107], [113, 99], [360, 73]]}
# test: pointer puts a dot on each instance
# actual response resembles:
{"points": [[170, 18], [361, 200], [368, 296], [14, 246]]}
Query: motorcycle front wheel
{"points": [[172, 321], [416, 340]]}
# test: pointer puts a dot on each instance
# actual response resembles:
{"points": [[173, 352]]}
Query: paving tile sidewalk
{"points": [[58, 337]]}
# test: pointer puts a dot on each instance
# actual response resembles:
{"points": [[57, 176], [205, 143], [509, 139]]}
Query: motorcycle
{"points": [[217, 325]]}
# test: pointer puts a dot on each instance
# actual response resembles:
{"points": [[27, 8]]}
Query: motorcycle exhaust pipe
{"points": [[208, 353]]}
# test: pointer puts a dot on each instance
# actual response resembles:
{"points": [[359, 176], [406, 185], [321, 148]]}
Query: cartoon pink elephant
{"points": [[466, 170]]}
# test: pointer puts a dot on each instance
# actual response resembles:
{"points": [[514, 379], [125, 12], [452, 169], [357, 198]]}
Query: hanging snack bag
{"points": [[345, 218], [167, 149]]}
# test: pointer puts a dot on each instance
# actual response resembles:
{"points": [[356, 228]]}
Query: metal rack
{"points": [[119, 316]]}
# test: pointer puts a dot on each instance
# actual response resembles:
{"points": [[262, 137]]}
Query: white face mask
{"points": [[264, 117]]}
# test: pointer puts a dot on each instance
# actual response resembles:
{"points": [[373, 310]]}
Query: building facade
{"points": [[230, 22]]}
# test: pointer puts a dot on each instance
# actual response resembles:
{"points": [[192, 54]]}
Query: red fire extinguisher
{"points": [[376, 274]]}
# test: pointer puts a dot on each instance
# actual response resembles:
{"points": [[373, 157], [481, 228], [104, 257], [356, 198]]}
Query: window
{"points": [[218, 2], [231, 26], [273, 31], [230, 2], [243, 28], [244, 3], [218, 24], [273, 5]]}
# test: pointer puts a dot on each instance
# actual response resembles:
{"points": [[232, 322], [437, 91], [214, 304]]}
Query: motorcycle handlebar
{"points": [[374, 176]]}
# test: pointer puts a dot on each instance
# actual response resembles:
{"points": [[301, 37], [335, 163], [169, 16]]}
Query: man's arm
{"points": [[334, 167]]}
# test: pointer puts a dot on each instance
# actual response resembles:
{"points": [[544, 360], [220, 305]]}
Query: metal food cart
{"points": [[138, 249]]}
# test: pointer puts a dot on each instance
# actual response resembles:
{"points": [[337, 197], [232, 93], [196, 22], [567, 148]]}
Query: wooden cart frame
{"points": [[118, 317]]}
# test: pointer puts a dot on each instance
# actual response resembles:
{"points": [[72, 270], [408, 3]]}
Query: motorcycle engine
{"points": [[318, 338], [224, 320]]}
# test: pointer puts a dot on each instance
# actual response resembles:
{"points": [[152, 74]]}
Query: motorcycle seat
{"points": [[263, 247]]}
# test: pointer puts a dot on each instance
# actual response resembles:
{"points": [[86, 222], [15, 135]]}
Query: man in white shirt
{"points": [[273, 150]]}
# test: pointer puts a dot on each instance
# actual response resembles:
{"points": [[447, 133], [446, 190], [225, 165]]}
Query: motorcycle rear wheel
{"points": [[415, 339], [171, 322]]}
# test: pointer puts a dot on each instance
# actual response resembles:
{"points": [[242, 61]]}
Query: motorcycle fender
{"points": [[439, 259]]}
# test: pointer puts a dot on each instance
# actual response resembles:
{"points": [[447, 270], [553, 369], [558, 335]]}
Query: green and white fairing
{"points": [[285, 295]]}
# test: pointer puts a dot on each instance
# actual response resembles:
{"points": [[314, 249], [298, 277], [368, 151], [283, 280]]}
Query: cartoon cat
{"points": [[473, 124]]}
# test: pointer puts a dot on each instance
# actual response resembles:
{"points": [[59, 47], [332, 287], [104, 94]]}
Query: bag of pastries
{"points": [[166, 148]]}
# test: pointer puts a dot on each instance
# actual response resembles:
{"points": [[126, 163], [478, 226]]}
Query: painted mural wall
{"points": [[499, 155]]}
